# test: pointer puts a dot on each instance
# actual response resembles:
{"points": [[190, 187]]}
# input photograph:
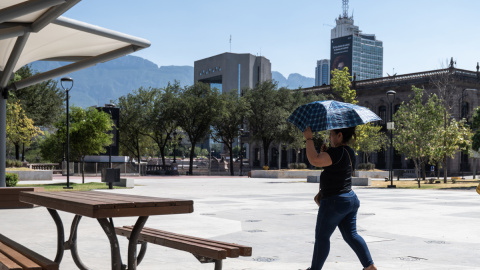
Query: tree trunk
{"points": [[445, 169], [138, 158], [83, 170], [162, 153], [417, 172], [23, 152], [192, 153], [17, 151], [230, 149], [474, 168], [265, 153]]}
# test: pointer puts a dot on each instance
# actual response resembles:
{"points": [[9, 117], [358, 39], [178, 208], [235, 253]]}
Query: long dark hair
{"points": [[347, 133]]}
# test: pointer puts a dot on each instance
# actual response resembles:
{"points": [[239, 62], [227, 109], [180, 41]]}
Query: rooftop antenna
{"points": [[230, 43], [345, 8]]}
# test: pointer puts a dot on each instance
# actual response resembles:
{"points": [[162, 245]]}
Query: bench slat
{"points": [[43, 262], [232, 251], [7, 264], [19, 258], [203, 250], [243, 250]]}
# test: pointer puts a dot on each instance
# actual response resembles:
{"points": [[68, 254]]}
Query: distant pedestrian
{"points": [[338, 204], [432, 171]]}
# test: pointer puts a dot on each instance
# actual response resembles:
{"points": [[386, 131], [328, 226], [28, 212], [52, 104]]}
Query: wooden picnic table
{"points": [[104, 206]]}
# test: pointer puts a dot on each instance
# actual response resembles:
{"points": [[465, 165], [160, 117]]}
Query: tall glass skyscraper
{"points": [[361, 53], [322, 72]]}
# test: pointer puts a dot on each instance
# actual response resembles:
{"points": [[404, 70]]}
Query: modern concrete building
{"points": [[361, 53], [232, 71], [322, 72]]}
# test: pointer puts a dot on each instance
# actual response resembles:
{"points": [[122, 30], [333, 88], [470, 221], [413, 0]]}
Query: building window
{"points": [[382, 112], [464, 113]]}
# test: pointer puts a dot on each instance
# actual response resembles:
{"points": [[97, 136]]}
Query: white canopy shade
{"points": [[32, 30]]}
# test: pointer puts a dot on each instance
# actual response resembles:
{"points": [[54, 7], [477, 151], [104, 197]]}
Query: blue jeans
{"points": [[339, 210]]}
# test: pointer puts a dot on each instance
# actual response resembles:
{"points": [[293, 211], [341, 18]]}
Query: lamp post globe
{"points": [[67, 85], [391, 97]]}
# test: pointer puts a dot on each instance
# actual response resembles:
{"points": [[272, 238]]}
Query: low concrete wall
{"points": [[284, 173], [125, 182], [32, 175], [361, 181], [371, 174], [356, 181]]}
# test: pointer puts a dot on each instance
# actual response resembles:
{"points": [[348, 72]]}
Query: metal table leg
{"points": [[60, 235], [114, 247], [72, 243], [132, 243]]}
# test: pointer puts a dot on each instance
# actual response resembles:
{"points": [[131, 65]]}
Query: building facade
{"points": [[361, 53], [322, 72], [232, 71], [461, 88]]}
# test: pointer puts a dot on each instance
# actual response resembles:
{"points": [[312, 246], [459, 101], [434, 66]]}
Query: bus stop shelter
{"points": [[33, 30]]}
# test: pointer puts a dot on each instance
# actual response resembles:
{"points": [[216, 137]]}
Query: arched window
{"points": [[395, 108], [382, 112], [464, 112]]}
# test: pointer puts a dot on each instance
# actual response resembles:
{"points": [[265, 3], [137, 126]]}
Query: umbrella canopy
{"points": [[32, 30], [330, 114]]}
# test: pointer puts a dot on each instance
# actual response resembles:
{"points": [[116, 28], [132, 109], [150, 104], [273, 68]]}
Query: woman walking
{"points": [[338, 204]]}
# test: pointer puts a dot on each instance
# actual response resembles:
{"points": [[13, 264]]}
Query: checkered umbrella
{"points": [[330, 114]]}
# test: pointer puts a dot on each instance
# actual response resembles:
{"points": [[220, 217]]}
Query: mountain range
{"points": [[106, 82]]}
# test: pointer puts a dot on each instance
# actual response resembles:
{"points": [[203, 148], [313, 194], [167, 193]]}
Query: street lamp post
{"points": [[242, 131], [67, 89], [391, 127]]}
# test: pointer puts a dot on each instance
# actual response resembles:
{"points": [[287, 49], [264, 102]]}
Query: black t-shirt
{"points": [[337, 178]]}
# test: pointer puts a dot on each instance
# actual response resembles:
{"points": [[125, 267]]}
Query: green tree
{"points": [[43, 102], [52, 148], [89, 133], [289, 133], [340, 83], [266, 114], [416, 128], [232, 111], [20, 128], [475, 138], [196, 109], [161, 117], [476, 128], [131, 128], [369, 137]]}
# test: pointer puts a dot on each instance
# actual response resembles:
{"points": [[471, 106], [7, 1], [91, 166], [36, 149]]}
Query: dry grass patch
{"points": [[412, 184]]}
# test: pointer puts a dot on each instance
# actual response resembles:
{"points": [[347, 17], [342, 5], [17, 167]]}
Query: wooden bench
{"points": [[14, 256], [205, 250]]}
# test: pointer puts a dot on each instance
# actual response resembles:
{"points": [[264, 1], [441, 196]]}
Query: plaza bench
{"points": [[14, 256], [205, 250]]}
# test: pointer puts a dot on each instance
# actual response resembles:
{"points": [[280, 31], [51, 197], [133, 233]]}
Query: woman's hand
{"points": [[307, 133]]}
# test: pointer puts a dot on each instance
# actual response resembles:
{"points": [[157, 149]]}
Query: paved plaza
{"points": [[404, 229]]}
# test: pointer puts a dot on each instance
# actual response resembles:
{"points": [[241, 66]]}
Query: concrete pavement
{"points": [[404, 229]]}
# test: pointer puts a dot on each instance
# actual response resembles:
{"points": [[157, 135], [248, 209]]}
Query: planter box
{"points": [[361, 181], [283, 173], [9, 197], [371, 174], [125, 182], [32, 175]]}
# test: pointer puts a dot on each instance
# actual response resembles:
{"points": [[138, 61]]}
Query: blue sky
{"points": [[417, 35]]}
